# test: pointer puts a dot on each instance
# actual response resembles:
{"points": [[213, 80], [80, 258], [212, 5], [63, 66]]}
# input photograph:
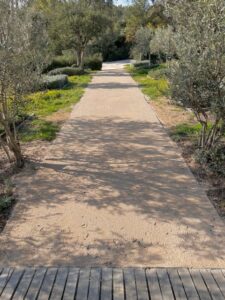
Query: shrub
{"points": [[61, 62], [94, 63], [213, 160], [67, 71], [54, 82], [142, 64]]}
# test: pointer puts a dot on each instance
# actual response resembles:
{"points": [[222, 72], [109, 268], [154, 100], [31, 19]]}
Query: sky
{"points": [[122, 2]]}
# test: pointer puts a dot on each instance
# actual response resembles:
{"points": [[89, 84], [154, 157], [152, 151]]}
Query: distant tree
{"points": [[83, 21], [22, 51], [137, 16], [141, 48], [163, 43]]}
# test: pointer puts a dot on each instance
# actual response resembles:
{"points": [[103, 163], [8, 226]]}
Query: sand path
{"points": [[113, 190]]}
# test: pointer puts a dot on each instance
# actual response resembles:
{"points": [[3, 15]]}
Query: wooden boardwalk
{"points": [[113, 284]]}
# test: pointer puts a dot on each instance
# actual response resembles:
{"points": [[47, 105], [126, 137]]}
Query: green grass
{"points": [[39, 130], [153, 82], [47, 102], [183, 131], [43, 104]]}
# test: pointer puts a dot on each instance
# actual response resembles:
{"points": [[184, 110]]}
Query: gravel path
{"points": [[113, 190]]}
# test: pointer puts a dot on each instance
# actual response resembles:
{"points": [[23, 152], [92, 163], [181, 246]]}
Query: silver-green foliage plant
{"points": [[83, 21], [22, 53], [163, 42], [143, 37], [198, 75]]}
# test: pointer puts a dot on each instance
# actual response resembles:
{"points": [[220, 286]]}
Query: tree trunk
{"points": [[14, 147], [80, 58]]}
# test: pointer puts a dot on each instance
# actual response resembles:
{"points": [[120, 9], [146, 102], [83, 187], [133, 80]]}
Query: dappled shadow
{"points": [[101, 172], [111, 85]]}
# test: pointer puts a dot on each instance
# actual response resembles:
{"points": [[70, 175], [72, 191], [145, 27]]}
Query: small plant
{"points": [[6, 198], [6, 202]]}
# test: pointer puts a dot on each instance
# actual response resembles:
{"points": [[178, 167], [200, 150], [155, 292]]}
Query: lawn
{"points": [[153, 82], [45, 104]]}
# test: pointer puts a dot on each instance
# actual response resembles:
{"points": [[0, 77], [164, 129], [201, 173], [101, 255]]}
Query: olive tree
{"points": [[83, 21], [22, 44], [198, 75], [141, 44], [163, 42]]}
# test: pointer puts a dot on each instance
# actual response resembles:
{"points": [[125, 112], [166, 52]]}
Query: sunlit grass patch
{"points": [[183, 131], [39, 130], [45, 103], [152, 81]]}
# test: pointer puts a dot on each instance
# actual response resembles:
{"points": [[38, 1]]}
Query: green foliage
{"points": [[212, 160], [163, 43], [94, 63], [39, 130], [137, 16], [198, 75], [142, 40], [53, 81], [66, 60], [70, 71]]}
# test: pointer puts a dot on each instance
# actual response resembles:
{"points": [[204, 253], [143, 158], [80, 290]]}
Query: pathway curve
{"points": [[113, 191]]}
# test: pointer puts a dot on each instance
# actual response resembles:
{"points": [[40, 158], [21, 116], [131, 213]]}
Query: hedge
{"points": [[93, 63], [67, 71], [54, 82]]}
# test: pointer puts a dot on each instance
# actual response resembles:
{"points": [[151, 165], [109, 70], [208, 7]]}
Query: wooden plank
{"points": [[83, 284], [59, 284], [141, 284], [130, 284], [200, 284], [212, 285], [24, 284], [36, 283], [107, 283], [165, 285], [71, 284], [153, 284], [177, 285], [47, 284], [220, 279], [12, 284], [188, 284], [118, 284], [94, 287], [4, 277]]}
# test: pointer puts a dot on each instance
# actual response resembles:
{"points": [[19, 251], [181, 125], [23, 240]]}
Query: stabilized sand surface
{"points": [[113, 191]]}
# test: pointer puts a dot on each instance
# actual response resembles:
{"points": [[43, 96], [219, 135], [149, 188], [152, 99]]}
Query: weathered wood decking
{"points": [[114, 284]]}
